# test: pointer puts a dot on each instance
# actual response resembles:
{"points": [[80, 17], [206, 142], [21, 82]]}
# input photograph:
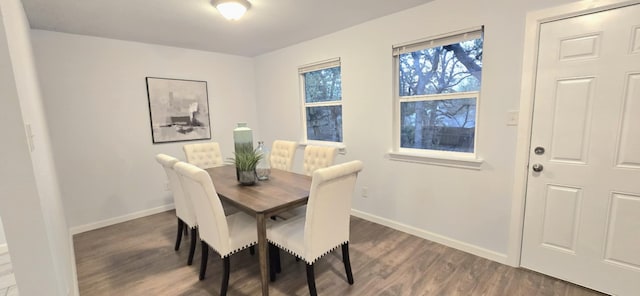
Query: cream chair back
{"points": [[316, 157], [282, 154], [213, 227], [203, 155], [184, 208], [329, 209], [326, 223]]}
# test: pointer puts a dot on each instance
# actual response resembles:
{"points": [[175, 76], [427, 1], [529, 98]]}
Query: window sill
{"points": [[448, 161], [342, 148]]}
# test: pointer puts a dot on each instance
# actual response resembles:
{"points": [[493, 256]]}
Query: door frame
{"points": [[533, 23]]}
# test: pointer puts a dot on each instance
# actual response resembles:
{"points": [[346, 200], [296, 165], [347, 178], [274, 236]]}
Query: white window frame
{"points": [[435, 157], [326, 64]]}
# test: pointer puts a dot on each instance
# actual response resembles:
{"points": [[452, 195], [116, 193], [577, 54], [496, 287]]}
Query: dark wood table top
{"points": [[283, 191]]}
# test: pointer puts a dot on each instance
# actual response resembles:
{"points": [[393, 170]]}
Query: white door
{"points": [[582, 215]]}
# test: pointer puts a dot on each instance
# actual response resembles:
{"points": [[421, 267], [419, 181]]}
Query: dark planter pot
{"points": [[247, 177]]}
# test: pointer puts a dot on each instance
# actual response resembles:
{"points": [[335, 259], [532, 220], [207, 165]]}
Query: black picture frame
{"points": [[178, 110]]}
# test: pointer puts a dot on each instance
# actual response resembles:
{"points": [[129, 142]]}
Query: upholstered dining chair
{"points": [[184, 209], [203, 155], [326, 223], [316, 157], [282, 154], [225, 234]]}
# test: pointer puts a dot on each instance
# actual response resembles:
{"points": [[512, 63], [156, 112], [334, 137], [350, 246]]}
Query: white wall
{"points": [[31, 207], [464, 208], [3, 239], [96, 102]]}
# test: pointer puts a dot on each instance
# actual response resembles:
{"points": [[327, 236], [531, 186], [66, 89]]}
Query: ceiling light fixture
{"points": [[231, 9]]}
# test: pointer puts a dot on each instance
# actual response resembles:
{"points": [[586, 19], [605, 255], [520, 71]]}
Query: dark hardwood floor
{"points": [[137, 258]]}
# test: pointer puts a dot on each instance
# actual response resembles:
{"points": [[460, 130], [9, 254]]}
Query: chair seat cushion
{"points": [[242, 232], [289, 235]]}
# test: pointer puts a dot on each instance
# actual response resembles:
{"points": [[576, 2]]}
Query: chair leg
{"points": [[203, 262], [192, 248], [252, 250], [272, 262], [278, 266], [311, 280], [179, 236], [225, 276], [347, 262]]}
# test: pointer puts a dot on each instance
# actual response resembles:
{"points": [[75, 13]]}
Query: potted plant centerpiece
{"points": [[246, 158]]}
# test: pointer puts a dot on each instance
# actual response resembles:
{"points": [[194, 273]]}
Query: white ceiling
{"points": [[267, 26]]}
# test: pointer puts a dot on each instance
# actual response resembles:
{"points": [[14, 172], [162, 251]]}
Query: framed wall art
{"points": [[178, 109]]}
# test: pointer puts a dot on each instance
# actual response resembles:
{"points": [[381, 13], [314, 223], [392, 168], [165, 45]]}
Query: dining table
{"points": [[283, 191]]}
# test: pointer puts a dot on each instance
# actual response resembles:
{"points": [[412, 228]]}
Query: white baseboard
{"points": [[4, 249], [115, 220], [441, 239]]}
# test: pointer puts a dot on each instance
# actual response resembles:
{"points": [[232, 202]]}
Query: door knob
{"points": [[537, 167], [539, 150]]}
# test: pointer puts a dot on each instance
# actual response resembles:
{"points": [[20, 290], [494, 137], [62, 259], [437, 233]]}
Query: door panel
{"points": [[571, 120], [620, 248], [635, 48], [582, 216], [561, 214], [629, 146], [580, 47]]}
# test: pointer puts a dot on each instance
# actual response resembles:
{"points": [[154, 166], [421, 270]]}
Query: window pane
{"points": [[446, 125], [324, 123], [444, 69], [323, 85]]}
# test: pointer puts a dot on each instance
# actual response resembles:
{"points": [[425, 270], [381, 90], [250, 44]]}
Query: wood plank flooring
{"points": [[137, 258]]}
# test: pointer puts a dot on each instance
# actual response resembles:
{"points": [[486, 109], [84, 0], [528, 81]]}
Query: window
{"points": [[322, 105], [437, 91]]}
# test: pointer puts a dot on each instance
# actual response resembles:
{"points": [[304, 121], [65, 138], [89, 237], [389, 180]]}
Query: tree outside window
{"points": [[322, 90], [438, 90]]}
